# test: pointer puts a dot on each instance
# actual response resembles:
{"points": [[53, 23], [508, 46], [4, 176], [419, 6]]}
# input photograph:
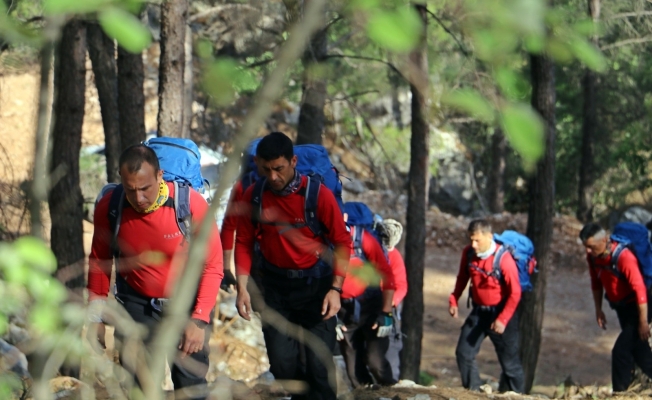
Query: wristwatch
{"points": [[337, 289]]}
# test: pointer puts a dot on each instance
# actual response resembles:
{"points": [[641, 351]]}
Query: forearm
{"points": [[227, 256], [242, 282], [338, 281], [341, 264], [597, 299], [388, 296], [642, 313]]}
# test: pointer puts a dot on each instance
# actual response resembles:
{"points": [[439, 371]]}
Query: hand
{"points": [[331, 304], [228, 281], [95, 333], [384, 323], [243, 303], [453, 311], [601, 318], [340, 328], [644, 331], [498, 327], [192, 340]]}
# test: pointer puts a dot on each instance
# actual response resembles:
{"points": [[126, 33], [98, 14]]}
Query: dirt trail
{"points": [[572, 343]]}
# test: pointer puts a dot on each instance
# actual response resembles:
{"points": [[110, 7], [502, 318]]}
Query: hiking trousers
{"points": [[476, 327], [629, 350], [188, 374], [393, 354], [299, 301], [363, 351]]}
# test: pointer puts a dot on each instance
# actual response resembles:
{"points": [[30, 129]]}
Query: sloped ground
{"points": [[572, 343]]}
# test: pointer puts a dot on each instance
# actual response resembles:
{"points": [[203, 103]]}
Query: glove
{"points": [[385, 322], [339, 330], [227, 281]]}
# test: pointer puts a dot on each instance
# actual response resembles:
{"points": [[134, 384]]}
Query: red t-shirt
{"points": [[153, 253], [357, 279], [231, 216], [400, 275], [284, 246], [489, 291], [618, 288]]}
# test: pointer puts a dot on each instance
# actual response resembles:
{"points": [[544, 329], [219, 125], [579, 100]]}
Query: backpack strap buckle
{"points": [[295, 274]]}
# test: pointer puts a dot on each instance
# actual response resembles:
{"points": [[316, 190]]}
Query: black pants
{"points": [[393, 354], [363, 351], [186, 372], [629, 349], [476, 327], [299, 301]]}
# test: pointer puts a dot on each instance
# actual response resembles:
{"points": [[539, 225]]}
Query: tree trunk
{"points": [[395, 81], [101, 50], [131, 98], [496, 178], [589, 131], [188, 85], [171, 66], [65, 199], [311, 117], [415, 247], [540, 214]]}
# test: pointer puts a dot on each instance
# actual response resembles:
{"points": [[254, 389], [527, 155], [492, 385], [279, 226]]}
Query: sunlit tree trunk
{"points": [[496, 175]]}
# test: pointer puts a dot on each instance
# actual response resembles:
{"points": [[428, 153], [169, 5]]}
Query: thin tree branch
{"points": [[392, 66], [220, 8], [627, 42], [630, 14], [455, 38], [346, 98]]}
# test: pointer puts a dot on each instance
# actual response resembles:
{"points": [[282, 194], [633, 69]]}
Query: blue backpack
{"points": [[633, 236], [313, 161], [363, 219], [250, 174], [522, 251]]}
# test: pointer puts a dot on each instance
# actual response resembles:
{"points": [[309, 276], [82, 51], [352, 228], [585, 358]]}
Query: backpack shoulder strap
{"points": [[182, 208], [310, 206], [498, 257], [257, 200], [615, 255], [358, 235], [116, 203]]}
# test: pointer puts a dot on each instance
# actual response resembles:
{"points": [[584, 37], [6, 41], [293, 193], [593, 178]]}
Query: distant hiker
{"points": [[138, 223], [495, 294], [615, 271], [366, 319], [394, 231], [305, 251]]}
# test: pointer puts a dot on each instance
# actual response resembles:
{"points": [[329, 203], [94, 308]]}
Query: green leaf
{"points": [[524, 130], [224, 77], [398, 30], [511, 84], [54, 7], [204, 49], [534, 43], [559, 50], [47, 291], [362, 4], [125, 28], [589, 54], [9, 258], [471, 102], [35, 253], [4, 323], [44, 318]]}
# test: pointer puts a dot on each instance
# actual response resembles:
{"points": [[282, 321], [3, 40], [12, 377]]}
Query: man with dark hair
{"points": [[303, 271], [495, 294], [150, 253], [626, 293]]}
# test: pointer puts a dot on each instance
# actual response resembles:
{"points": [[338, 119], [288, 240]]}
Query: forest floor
{"points": [[572, 344]]}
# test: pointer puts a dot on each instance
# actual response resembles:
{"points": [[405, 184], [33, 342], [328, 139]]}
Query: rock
{"points": [[633, 214], [65, 387], [486, 389], [11, 359]]}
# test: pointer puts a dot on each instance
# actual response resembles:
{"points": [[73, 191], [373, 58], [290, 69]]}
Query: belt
{"points": [[317, 271], [123, 288]]}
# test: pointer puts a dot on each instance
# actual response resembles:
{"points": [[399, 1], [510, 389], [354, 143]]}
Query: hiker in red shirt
{"points": [[394, 231], [152, 252], [495, 296], [366, 315], [303, 271], [626, 293]]}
